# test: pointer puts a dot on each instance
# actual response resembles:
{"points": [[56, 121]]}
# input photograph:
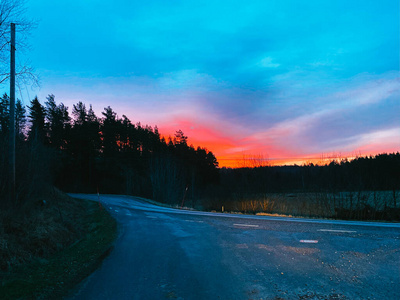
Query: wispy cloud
{"points": [[267, 62], [385, 140]]}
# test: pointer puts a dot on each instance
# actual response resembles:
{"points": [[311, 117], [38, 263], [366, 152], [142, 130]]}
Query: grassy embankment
{"points": [[48, 247]]}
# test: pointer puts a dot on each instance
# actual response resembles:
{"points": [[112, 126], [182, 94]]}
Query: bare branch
{"points": [[13, 11]]}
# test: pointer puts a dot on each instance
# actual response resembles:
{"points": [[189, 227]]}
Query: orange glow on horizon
{"points": [[235, 160], [233, 151]]}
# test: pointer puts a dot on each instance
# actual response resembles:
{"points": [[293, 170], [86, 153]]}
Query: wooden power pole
{"points": [[12, 117]]}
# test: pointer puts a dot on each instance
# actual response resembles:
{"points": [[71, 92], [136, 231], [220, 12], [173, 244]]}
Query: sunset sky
{"points": [[283, 80]]}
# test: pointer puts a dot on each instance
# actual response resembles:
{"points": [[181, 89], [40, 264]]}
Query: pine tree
{"points": [[58, 122], [80, 114], [20, 120], [37, 114], [109, 131], [180, 138], [4, 115]]}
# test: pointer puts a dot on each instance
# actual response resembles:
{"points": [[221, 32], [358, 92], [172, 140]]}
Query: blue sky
{"points": [[284, 79]]}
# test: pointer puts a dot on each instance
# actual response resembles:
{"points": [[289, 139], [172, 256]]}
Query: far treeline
{"points": [[108, 154], [363, 188]]}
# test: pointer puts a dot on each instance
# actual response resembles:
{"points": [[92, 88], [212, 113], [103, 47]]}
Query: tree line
{"points": [[86, 153], [361, 188], [82, 152], [379, 173]]}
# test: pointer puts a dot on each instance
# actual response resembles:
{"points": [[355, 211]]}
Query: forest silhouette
{"points": [[85, 153]]}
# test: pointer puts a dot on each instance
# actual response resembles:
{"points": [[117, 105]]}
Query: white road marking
{"points": [[193, 221], [309, 241], [245, 225], [334, 230]]}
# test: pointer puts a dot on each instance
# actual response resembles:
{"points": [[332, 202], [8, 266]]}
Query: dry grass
{"points": [[363, 205], [39, 228], [47, 249]]}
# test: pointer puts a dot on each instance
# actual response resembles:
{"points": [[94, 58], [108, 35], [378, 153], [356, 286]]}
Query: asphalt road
{"points": [[163, 253]]}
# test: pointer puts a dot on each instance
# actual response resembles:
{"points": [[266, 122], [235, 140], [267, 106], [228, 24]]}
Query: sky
{"points": [[286, 81]]}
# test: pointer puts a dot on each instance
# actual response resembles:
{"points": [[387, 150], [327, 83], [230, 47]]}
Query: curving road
{"points": [[164, 253]]}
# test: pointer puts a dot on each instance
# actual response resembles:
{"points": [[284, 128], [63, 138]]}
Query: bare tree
{"points": [[253, 161], [13, 11]]}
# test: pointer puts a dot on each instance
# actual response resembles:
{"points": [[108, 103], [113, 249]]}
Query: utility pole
{"points": [[12, 117]]}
